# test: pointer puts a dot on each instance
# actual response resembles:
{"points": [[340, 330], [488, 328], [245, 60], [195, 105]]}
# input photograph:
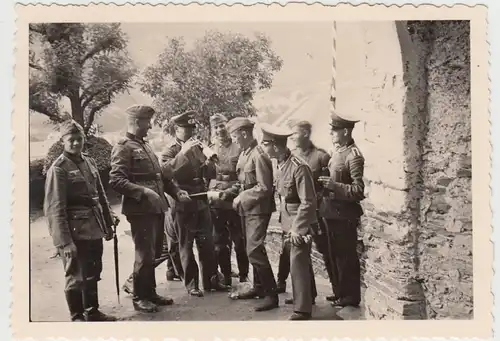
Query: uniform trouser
{"points": [[302, 278], [82, 273], [255, 228], [228, 230], [147, 234], [343, 238], [191, 226], [284, 267]]}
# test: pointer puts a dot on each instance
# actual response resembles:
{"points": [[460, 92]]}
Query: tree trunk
{"points": [[76, 109]]}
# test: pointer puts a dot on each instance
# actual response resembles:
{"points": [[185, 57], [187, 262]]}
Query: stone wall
{"points": [[445, 240], [409, 85]]}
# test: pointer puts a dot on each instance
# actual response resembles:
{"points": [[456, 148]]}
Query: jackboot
{"points": [[92, 312], [300, 316], [269, 302], [75, 304], [145, 306]]}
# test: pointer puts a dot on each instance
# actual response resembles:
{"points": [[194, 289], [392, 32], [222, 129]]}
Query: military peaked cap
{"points": [[272, 133], [186, 119], [338, 122], [239, 123], [70, 127], [140, 111], [217, 118]]}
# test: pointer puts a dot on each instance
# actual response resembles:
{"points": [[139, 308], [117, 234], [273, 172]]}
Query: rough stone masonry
{"points": [[409, 84]]}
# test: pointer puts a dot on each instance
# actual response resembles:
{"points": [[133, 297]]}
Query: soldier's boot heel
{"points": [[145, 306], [269, 303], [300, 316], [75, 305], [92, 312]]}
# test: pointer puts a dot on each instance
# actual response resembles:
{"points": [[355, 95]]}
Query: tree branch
{"points": [[34, 66], [93, 112], [44, 111], [99, 47], [87, 99]]}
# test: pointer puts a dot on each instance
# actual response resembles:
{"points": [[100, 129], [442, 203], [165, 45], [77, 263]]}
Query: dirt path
{"points": [[48, 304]]}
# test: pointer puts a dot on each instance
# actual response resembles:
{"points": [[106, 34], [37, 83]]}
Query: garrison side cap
{"points": [[140, 111], [218, 118], [70, 127], [239, 123]]}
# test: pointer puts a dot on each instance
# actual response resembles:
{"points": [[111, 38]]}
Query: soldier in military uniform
{"points": [[192, 220], [79, 217], [341, 209], [317, 159], [295, 185], [227, 222], [137, 174], [253, 198]]}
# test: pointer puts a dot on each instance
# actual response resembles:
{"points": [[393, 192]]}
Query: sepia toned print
{"points": [[291, 163]]}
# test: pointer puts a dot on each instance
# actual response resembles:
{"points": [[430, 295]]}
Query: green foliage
{"points": [[88, 64], [96, 147], [220, 74], [36, 169]]}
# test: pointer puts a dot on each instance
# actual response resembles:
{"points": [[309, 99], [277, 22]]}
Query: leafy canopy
{"points": [[88, 64], [219, 74]]}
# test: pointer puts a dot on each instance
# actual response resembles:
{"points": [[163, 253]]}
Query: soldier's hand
{"points": [[296, 239], [116, 220], [188, 145], [69, 251], [109, 235], [183, 196], [236, 203], [152, 197], [326, 182]]}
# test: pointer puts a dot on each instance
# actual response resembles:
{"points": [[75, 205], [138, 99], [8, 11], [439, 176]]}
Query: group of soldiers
{"points": [[216, 200]]}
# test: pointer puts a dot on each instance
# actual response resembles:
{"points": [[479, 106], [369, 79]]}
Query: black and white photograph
{"points": [[252, 171]]}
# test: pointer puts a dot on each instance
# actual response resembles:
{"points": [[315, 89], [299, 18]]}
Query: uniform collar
{"points": [[345, 147], [252, 145], [307, 150], [74, 158], [285, 160], [134, 137]]}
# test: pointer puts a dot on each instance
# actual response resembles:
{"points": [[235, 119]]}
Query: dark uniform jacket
{"points": [[295, 185], [346, 168], [223, 174], [189, 171], [135, 166], [255, 182], [318, 160], [75, 202]]}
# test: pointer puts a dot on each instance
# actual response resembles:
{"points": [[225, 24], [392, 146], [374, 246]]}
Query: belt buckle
{"points": [[225, 177], [158, 176]]}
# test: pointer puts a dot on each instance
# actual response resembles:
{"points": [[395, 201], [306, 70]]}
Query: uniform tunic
{"points": [[341, 211], [78, 212], [295, 186], [134, 166], [192, 220], [256, 191], [318, 160], [227, 223]]}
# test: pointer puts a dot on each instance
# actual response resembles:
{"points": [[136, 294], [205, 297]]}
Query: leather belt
{"points": [[83, 201], [145, 176]]}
